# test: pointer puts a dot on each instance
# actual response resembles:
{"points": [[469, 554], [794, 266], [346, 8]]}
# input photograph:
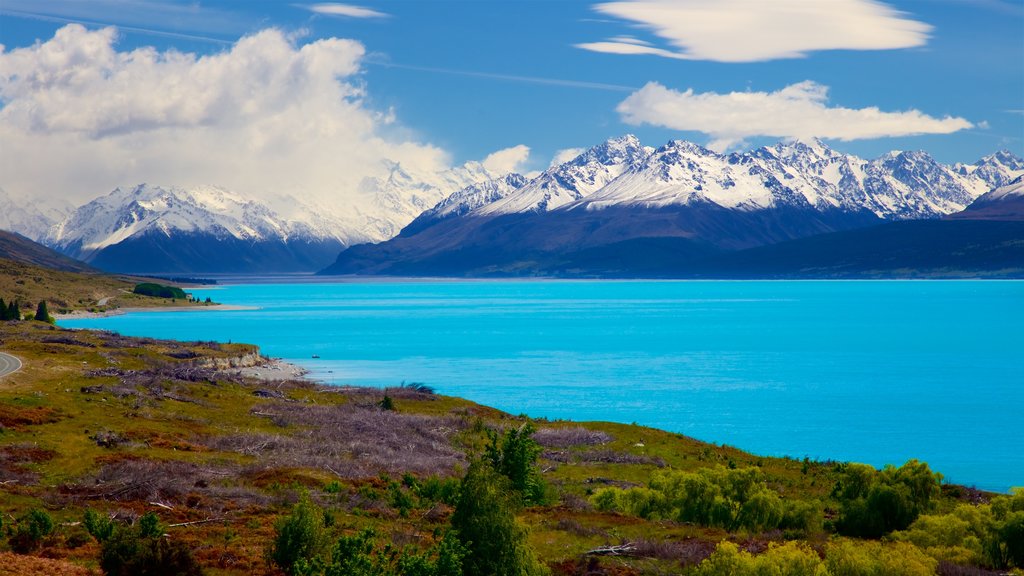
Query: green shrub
{"points": [[359, 555], [300, 536], [874, 503], [514, 455], [436, 489], [127, 552], [727, 498], [485, 522], [789, 559], [867, 558], [99, 527], [30, 530]]}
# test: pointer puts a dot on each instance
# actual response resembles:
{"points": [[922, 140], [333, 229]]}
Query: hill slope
{"points": [[18, 248]]}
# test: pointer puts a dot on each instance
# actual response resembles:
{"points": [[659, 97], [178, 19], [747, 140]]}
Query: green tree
{"points": [[42, 314], [485, 522], [98, 526], [514, 455], [13, 310], [300, 536]]}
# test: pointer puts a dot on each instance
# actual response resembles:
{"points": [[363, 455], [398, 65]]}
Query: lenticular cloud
{"points": [[799, 110]]}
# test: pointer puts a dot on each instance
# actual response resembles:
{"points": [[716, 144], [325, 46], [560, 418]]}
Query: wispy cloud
{"points": [[136, 29], [185, 20], [797, 111], [347, 10], [377, 60], [758, 30]]}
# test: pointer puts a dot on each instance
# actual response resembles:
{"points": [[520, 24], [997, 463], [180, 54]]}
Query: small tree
{"points": [[485, 522], [13, 310], [31, 528], [515, 456], [300, 536], [42, 314]]}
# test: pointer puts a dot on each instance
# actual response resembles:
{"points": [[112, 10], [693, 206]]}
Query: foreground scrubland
{"points": [[135, 456]]}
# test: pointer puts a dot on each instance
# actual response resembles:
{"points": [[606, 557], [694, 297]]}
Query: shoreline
{"points": [[83, 315]]}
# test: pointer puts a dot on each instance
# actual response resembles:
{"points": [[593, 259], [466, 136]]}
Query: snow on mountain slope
{"points": [[30, 218], [572, 180], [472, 197], [900, 185], [996, 170], [1011, 190], [395, 200], [123, 214]]}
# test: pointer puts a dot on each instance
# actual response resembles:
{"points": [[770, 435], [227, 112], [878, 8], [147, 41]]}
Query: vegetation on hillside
{"points": [[66, 292], [141, 456]]}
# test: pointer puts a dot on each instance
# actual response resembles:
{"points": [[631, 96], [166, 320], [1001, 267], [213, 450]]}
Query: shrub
{"points": [[127, 552], [99, 527], [721, 497], [359, 555], [875, 503], [485, 522], [300, 536], [789, 559], [514, 455], [30, 530], [865, 558]]}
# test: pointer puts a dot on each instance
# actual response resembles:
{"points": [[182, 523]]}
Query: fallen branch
{"points": [[195, 522], [626, 549]]}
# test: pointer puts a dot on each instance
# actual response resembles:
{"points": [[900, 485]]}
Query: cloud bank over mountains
{"points": [[266, 116]]}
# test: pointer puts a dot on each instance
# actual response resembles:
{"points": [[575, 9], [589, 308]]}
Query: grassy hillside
{"points": [[20, 249], [125, 426], [67, 291]]}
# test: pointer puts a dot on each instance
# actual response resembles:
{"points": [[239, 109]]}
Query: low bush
{"points": [[144, 550], [30, 530]]}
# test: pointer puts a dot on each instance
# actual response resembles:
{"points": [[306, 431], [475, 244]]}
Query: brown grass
{"points": [[18, 565]]}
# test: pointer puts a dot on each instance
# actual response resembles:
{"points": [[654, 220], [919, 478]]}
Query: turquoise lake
{"points": [[875, 372]]}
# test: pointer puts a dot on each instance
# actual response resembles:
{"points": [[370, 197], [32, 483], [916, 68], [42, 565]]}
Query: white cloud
{"points": [[348, 10], [757, 30], [566, 154], [507, 160], [264, 117], [796, 111]]}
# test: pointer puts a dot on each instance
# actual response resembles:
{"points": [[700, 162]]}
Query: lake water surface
{"points": [[875, 372]]}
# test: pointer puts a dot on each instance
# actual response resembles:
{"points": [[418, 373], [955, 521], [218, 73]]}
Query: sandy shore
{"points": [[80, 314]]}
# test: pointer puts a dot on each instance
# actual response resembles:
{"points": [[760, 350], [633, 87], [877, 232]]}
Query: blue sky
{"points": [[459, 80]]}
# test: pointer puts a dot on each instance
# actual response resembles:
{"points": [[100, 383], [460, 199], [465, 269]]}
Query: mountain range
{"points": [[623, 209], [618, 209]]}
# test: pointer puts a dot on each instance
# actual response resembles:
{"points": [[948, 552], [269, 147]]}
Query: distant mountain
{"points": [[1003, 203], [681, 198], [959, 248], [207, 229], [18, 248], [30, 217], [201, 230]]}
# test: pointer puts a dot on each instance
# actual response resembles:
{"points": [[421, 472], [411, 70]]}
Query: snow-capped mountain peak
{"points": [[572, 180]]}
